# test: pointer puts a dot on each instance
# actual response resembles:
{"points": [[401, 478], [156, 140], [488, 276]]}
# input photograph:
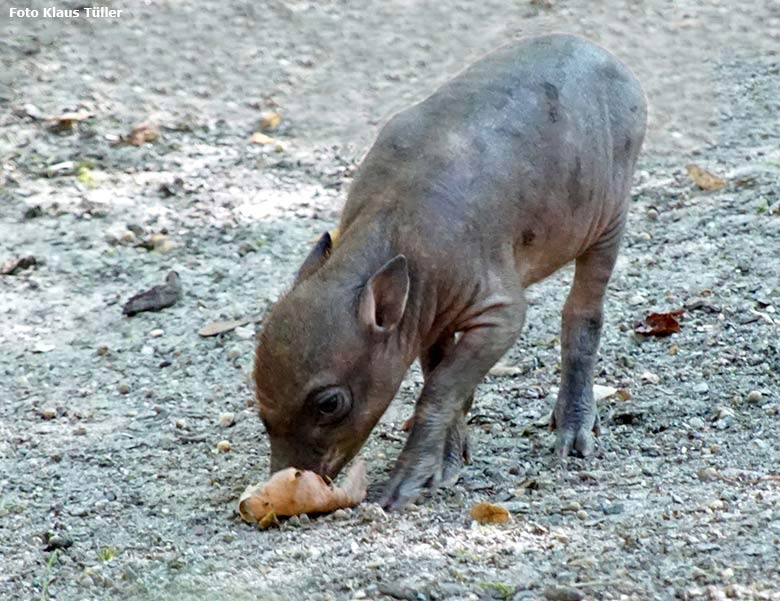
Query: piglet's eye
{"points": [[332, 404]]}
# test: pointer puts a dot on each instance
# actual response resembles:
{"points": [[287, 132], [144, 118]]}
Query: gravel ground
{"points": [[110, 481]]}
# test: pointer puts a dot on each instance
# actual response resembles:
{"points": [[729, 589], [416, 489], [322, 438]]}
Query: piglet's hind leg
{"points": [[575, 417]]}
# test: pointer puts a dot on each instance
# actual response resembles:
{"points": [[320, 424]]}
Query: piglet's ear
{"points": [[383, 300], [318, 255]]}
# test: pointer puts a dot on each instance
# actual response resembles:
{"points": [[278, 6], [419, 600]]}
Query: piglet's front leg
{"points": [[446, 392]]}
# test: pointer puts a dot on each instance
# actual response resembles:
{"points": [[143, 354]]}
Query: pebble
{"points": [[652, 214], [701, 388], [223, 446], [650, 377], [48, 413], [181, 424], [58, 542], [563, 593], [372, 512], [156, 333], [245, 332], [754, 396], [123, 388], [582, 515], [102, 350], [613, 508], [147, 350], [708, 473], [341, 514], [571, 506], [227, 419], [696, 423], [644, 236]]}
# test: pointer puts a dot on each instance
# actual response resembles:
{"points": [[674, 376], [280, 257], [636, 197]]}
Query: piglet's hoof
{"points": [[575, 441]]}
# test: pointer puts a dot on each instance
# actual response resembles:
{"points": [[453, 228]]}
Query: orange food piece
{"points": [[489, 513], [293, 492]]}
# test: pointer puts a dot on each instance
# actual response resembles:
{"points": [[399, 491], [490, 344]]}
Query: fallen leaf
{"points": [[215, 328], [143, 133], [17, 264], [660, 324], [489, 513], [156, 298], [260, 138], [704, 179], [269, 121], [407, 425], [293, 492], [69, 119], [603, 392], [624, 394]]}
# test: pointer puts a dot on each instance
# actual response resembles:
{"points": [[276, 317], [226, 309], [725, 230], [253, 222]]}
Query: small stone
{"points": [[708, 473], [48, 413], [181, 424], [127, 237], [673, 350], [582, 515], [701, 388], [245, 249], [696, 423], [294, 521], [57, 541], [147, 350], [372, 512], [754, 396], [305, 519], [102, 350], [156, 333], [234, 354], [245, 332], [42, 347], [571, 506], [80, 431], [652, 214], [644, 236], [727, 574], [227, 419], [613, 508], [223, 446], [650, 377], [123, 388], [341, 514], [563, 593]]}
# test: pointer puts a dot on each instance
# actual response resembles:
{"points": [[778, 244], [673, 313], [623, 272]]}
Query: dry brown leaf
{"points": [[220, 327], [293, 492], [704, 179], [489, 513], [603, 392], [660, 324], [143, 133], [407, 425], [624, 394], [68, 119], [14, 266], [270, 121], [262, 139]]}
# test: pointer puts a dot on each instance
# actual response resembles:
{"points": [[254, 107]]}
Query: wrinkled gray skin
{"points": [[519, 165]]}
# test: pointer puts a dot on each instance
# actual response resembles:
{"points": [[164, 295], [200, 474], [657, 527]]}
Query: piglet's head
{"points": [[328, 360]]}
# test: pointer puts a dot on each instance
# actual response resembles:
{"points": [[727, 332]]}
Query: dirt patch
{"points": [[112, 485]]}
